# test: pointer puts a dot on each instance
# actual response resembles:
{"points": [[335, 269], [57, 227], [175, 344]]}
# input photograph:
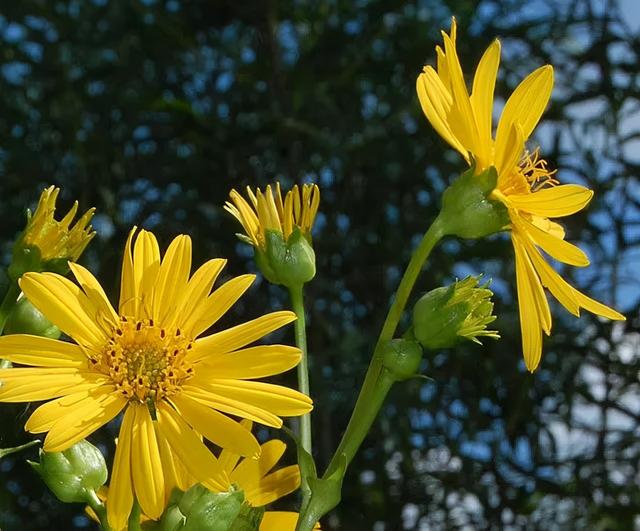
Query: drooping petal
{"points": [[32, 385], [280, 521], [41, 351], [250, 471], [527, 103], [65, 305], [92, 288], [217, 304], [277, 399], [596, 307], [240, 335], [530, 321], [188, 447], [120, 498], [172, 278], [198, 391], [252, 362], [175, 475], [218, 428], [146, 466], [83, 418], [553, 202]]}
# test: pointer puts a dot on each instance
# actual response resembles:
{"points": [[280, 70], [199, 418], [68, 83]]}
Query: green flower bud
{"points": [[217, 511], [25, 318], [73, 473], [467, 211], [444, 316], [402, 357], [289, 263]]}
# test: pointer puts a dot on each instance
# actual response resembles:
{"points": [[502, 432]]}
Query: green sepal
{"points": [[71, 474], [291, 263], [467, 209], [25, 258]]}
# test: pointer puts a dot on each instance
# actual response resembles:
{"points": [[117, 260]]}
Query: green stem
{"points": [[8, 302], [101, 511], [6, 451], [133, 523], [364, 412], [297, 302]]}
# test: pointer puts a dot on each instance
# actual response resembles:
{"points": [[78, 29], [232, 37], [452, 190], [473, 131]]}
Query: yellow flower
{"points": [[525, 185], [57, 239], [147, 360], [268, 212]]}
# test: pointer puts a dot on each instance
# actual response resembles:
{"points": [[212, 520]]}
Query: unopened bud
{"points": [[444, 316], [402, 357], [73, 473]]}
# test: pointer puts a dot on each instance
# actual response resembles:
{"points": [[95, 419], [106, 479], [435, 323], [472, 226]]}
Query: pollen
{"points": [[145, 361], [535, 171]]}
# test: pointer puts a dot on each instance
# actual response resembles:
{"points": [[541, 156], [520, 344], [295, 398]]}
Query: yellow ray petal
{"points": [[128, 303], [41, 351], [240, 335], [530, 321], [250, 471], [280, 521], [188, 447], [65, 305], [484, 83], [527, 103], [217, 304], [596, 307], [553, 228], [230, 406], [274, 486], [559, 249], [218, 428], [553, 202], [507, 155], [107, 315], [175, 475], [83, 418], [146, 262], [172, 278], [252, 362], [146, 471], [121, 486], [277, 399], [31, 385]]}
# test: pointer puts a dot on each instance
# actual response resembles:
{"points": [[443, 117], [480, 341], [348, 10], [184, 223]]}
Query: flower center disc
{"points": [[145, 361]]}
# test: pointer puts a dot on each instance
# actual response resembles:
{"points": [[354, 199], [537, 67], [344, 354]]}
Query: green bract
{"points": [[290, 263], [402, 357], [25, 318]]}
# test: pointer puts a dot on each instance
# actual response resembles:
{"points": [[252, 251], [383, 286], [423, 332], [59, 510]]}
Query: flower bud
{"points": [[280, 231], [221, 511], [47, 244], [467, 211], [25, 318], [73, 473], [402, 357], [463, 310]]}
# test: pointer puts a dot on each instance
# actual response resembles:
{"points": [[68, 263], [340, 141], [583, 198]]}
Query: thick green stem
{"points": [[364, 411], [297, 303], [8, 303], [99, 508]]}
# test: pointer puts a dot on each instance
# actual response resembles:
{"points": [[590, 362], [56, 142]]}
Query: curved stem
{"points": [[297, 302], [9, 301], [364, 412], [101, 511]]}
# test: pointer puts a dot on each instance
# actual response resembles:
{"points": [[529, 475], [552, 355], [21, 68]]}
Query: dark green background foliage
{"points": [[152, 110]]}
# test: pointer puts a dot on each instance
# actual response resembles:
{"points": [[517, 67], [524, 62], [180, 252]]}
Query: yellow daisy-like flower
{"points": [[268, 212], [148, 360], [57, 239], [525, 185]]}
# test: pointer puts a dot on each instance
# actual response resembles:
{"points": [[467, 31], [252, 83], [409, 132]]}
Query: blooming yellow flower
{"points": [[525, 185], [57, 239], [147, 360], [268, 212]]}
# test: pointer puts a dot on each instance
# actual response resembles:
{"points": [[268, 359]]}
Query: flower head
{"points": [[280, 231], [525, 185], [148, 360], [52, 239]]}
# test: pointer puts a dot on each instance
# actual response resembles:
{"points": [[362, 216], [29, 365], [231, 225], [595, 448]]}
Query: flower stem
{"points": [[8, 302], [98, 507], [133, 523], [297, 302], [6, 451], [372, 393]]}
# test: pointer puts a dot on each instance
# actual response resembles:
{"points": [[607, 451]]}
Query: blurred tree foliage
{"points": [[152, 110]]}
